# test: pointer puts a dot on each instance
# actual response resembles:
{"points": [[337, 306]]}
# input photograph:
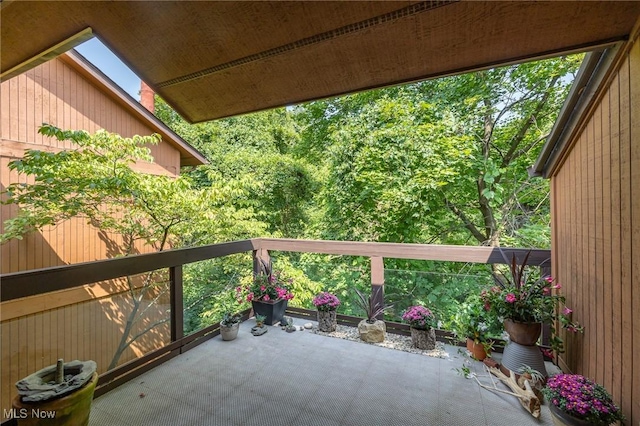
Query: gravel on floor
{"points": [[392, 341]]}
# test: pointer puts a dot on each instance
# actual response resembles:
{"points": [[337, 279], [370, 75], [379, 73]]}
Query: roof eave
{"points": [[592, 73], [189, 156]]}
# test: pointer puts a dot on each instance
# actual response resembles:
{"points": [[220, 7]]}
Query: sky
{"points": [[100, 56]]}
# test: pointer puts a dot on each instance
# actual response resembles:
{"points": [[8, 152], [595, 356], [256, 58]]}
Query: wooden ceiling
{"points": [[215, 59]]}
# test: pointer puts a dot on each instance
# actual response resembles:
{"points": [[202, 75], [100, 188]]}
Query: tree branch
{"points": [[467, 222]]}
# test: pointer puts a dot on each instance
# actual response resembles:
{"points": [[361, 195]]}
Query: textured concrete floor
{"points": [[305, 379]]}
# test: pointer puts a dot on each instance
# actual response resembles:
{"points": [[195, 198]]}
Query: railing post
{"points": [[177, 306], [377, 282], [260, 259]]}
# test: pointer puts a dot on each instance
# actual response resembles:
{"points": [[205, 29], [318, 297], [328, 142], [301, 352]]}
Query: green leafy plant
{"points": [[229, 319], [473, 321], [260, 320], [524, 295]]}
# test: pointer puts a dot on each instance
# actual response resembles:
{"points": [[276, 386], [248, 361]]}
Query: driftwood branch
{"points": [[526, 395]]}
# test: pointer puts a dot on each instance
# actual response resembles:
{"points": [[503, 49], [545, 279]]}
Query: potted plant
{"points": [[326, 304], [60, 394], [576, 400], [259, 329], [371, 329], [422, 323], [477, 326], [268, 294], [229, 326], [523, 300]]}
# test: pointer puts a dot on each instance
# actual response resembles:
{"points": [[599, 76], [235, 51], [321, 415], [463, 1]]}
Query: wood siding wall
{"points": [[596, 239], [85, 330], [56, 93], [76, 323]]}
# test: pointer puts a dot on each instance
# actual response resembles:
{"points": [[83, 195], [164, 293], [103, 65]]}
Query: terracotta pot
{"points": [[524, 333], [477, 350], [561, 418]]}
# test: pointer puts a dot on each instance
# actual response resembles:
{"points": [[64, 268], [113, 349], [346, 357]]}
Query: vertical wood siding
{"points": [[85, 330], [57, 94], [85, 326], [596, 233]]}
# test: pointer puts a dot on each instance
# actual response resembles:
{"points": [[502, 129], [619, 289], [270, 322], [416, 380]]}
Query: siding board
{"points": [[597, 194], [634, 114], [606, 285]]}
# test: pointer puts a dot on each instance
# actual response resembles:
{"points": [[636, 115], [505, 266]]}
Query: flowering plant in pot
{"points": [[268, 293], [574, 399], [326, 304], [423, 324], [524, 298]]}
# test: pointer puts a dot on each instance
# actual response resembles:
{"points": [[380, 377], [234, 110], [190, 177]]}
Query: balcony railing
{"points": [[37, 337]]}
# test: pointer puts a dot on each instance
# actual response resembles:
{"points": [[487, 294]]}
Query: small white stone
{"points": [[308, 326]]}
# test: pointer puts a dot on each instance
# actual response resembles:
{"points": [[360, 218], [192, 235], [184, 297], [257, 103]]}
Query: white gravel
{"points": [[392, 341]]}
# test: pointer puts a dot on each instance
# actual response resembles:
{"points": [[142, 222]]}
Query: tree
{"points": [[95, 181], [443, 160], [255, 151]]}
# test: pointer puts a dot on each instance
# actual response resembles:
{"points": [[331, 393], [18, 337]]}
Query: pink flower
{"points": [[557, 286], [262, 288], [249, 297], [549, 279], [510, 298], [546, 291], [567, 311], [266, 298]]}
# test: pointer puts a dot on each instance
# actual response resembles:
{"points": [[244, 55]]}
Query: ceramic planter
{"points": [[561, 418], [229, 332], [70, 410], [524, 333], [273, 311]]}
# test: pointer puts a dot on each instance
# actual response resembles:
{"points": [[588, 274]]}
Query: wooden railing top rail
{"points": [[473, 254], [38, 281]]}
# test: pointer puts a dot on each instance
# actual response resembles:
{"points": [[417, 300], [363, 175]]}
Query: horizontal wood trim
{"points": [[405, 251], [43, 302], [38, 281]]}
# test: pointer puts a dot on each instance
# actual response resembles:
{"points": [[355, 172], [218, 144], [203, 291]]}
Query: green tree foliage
{"points": [[440, 161], [95, 181], [255, 150]]}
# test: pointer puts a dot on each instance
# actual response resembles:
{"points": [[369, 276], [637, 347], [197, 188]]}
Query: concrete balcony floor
{"points": [[304, 379]]}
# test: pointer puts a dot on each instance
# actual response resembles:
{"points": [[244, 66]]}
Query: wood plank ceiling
{"points": [[215, 59]]}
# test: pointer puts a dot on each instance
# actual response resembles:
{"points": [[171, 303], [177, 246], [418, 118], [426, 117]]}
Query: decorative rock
{"points": [[259, 331], [372, 333], [308, 326], [41, 385]]}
